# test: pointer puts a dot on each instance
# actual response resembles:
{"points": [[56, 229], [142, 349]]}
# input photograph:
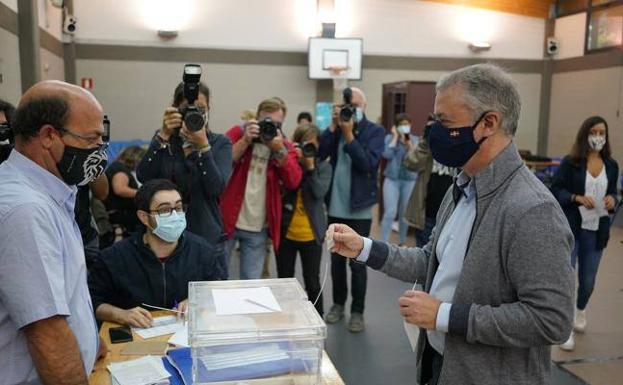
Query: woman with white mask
{"points": [[399, 181], [586, 188]]}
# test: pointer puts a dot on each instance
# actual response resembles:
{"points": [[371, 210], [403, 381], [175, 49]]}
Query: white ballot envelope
{"points": [[412, 331]]}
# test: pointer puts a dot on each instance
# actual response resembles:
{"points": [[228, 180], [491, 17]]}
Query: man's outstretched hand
{"points": [[346, 241]]}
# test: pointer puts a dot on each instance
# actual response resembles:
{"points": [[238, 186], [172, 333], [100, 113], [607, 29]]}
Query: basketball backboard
{"points": [[327, 53]]}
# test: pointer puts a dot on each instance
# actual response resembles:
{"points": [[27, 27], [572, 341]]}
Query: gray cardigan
{"points": [[514, 296]]}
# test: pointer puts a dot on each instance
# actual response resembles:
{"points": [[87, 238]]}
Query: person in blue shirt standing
{"points": [[399, 181], [47, 328], [354, 147]]}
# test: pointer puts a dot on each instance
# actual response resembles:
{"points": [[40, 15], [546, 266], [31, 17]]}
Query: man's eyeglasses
{"points": [[167, 211], [91, 140]]}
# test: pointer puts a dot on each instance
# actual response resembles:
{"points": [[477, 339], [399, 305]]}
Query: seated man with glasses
{"points": [[154, 265]]}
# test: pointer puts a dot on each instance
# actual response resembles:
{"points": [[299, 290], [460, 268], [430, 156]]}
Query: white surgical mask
{"points": [[596, 142], [404, 129], [358, 114]]}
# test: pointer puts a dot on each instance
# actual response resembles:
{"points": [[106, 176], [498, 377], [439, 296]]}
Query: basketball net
{"points": [[339, 74]]}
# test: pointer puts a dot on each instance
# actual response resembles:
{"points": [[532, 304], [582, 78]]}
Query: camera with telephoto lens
{"points": [[191, 114], [5, 132], [348, 110], [309, 150], [268, 130]]}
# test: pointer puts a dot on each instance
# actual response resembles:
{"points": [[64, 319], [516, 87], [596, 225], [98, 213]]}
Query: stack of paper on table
{"points": [[147, 370], [161, 326]]}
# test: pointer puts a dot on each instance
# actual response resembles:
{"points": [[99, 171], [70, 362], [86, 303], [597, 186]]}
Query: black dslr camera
{"points": [[5, 132], [309, 150], [348, 110], [191, 114], [268, 130]]}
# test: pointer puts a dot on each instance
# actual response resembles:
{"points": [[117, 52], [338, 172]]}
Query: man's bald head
{"points": [[359, 98], [57, 104]]}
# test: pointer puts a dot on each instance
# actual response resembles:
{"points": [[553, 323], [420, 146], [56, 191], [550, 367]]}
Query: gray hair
{"points": [[487, 87]]}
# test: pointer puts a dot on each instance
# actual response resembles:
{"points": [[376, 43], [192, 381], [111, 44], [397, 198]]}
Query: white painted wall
{"points": [[50, 18], [580, 94], [391, 27], [571, 32], [10, 3], [11, 86], [52, 66], [135, 93]]}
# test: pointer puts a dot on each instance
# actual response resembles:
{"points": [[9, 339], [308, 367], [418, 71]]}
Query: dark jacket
{"points": [[570, 179], [514, 295], [200, 178], [129, 273], [314, 186], [365, 151]]}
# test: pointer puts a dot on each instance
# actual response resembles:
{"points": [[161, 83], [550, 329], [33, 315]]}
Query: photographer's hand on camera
{"points": [[251, 131], [308, 163], [347, 130], [171, 121], [199, 139]]}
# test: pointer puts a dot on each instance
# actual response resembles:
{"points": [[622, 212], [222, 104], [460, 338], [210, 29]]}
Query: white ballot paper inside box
{"points": [[245, 301]]}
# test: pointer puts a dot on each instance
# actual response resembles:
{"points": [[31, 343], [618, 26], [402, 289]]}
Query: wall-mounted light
{"points": [[479, 46]]}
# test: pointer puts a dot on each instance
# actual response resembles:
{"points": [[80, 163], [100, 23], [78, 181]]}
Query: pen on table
{"points": [[162, 308], [261, 305]]}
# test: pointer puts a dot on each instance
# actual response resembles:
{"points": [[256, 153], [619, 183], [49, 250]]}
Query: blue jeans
{"points": [[422, 236], [252, 252], [588, 258], [396, 195]]}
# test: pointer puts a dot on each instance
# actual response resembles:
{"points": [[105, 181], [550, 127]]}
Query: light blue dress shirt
{"points": [[339, 206], [42, 266], [450, 251]]}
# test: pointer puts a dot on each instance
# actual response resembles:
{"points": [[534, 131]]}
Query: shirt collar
{"points": [[48, 183], [465, 184]]}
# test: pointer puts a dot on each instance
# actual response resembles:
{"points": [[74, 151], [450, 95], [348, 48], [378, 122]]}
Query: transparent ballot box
{"points": [[254, 332]]}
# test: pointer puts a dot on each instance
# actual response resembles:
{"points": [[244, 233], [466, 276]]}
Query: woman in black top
{"points": [[585, 186], [304, 220], [123, 186]]}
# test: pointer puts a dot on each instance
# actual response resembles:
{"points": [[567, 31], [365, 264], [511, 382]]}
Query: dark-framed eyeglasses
{"points": [[167, 211]]}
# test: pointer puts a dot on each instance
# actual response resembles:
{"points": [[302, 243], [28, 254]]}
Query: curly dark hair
{"points": [[31, 115]]}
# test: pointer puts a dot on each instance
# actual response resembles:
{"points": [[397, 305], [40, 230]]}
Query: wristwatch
{"points": [[203, 149]]}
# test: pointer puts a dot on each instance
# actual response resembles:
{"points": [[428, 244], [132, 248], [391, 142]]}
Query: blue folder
{"points": [[181, 361]]}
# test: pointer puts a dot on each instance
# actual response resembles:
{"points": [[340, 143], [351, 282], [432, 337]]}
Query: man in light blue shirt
{"points": [[48, 332]]}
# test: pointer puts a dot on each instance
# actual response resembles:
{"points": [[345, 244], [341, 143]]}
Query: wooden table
{"points": [[101, 376]]}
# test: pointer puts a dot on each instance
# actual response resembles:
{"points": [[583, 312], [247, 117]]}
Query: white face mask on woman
{"points": [[596, 142]]}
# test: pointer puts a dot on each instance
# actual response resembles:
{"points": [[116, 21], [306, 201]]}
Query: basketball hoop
{"points": [[339, 74]]}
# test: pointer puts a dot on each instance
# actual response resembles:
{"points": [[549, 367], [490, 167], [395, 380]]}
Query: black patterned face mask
{"points": [[80, 166]]}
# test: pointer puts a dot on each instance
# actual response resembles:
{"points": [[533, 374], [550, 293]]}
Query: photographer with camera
{"points": [[263, 161], [304, 215], [196, 159], [6, 135], [354, 145]]}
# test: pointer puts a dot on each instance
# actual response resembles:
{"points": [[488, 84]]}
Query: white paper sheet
{"points": [[245, 301], [142, 371], [161, 326], [180, 338]]}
